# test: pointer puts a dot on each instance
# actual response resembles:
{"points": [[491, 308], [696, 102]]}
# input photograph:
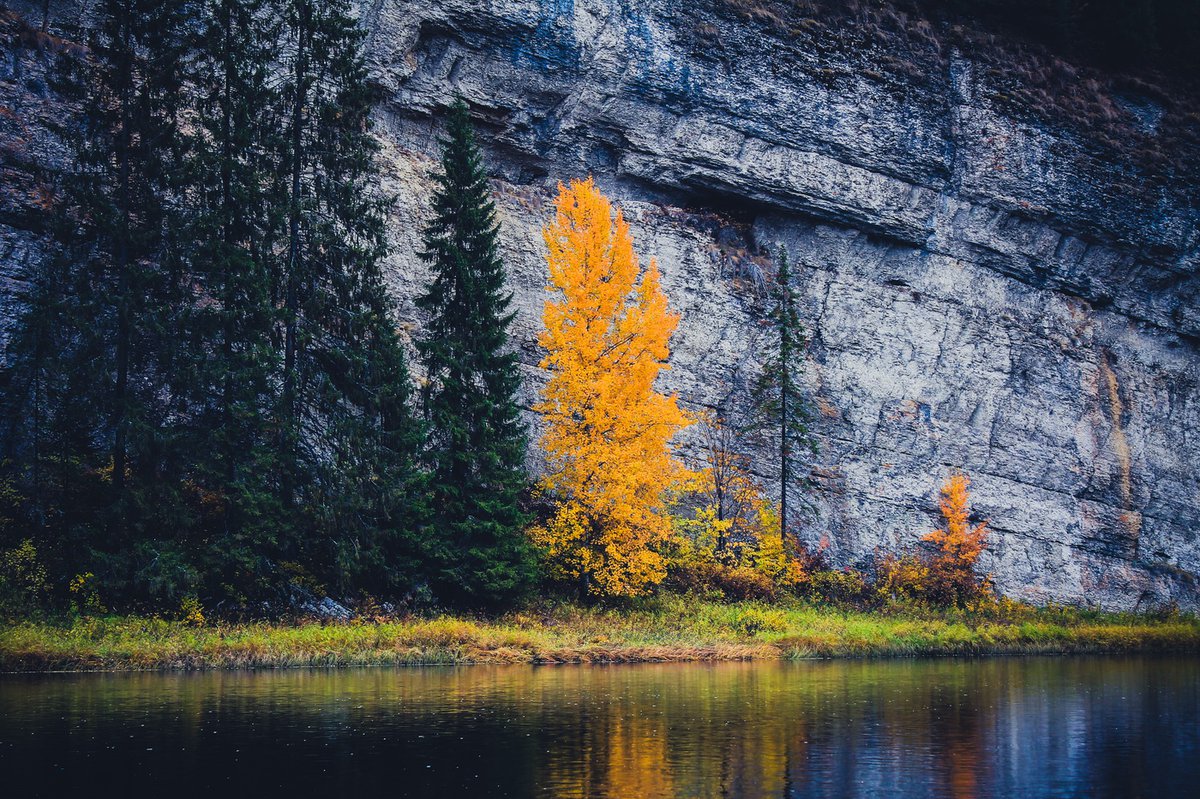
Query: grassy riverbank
{"points": [[664, 629]]}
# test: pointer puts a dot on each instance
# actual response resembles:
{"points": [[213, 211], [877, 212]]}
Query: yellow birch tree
{"points": [[607, 329]]}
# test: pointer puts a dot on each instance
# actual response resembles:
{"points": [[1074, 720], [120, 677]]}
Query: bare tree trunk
{"points": [[121, 387], [292, 299]]}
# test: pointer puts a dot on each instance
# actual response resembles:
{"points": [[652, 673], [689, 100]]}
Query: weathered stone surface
{"points": [[30, 150], [983, 290]]}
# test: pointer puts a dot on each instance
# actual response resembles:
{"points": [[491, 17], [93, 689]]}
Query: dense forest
{"points": [[208, 396], [688, 348]]}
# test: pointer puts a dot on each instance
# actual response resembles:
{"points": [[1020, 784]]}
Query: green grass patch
{"points": [[665, 628]]}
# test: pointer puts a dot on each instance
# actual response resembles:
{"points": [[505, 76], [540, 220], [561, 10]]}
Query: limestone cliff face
{"points": [[985, 286]]}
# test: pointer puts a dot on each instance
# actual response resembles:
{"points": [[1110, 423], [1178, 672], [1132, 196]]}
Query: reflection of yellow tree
{"points": [[618, 748], [747, 730], [758, 761], [958, 739], [636, 758], [964, 768]]}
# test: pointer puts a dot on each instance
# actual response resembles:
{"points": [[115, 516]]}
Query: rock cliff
{"points": [[999, 264]]}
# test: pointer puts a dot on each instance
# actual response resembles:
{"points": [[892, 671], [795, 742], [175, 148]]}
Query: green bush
{"points": [[22, 580], [839, 586]]}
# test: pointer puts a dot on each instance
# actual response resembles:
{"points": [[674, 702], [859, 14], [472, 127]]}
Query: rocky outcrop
{"points": [[981, 290], [986, 285], [31, 152]]}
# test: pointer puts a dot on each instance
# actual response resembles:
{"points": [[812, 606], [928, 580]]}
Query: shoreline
{"points": [[633, 659], [671, 630]]}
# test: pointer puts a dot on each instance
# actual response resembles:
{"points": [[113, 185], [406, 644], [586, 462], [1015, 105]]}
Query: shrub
{"points": [[85, 599], [717, 580], [22, 580], [191, 612], [952, 578], [730, 545], [899, 578], [839, 586]]}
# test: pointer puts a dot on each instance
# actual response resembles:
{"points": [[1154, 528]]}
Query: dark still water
{"points": [[1036, 727]]}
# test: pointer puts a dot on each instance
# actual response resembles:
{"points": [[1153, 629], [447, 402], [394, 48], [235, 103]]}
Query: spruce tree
{"points": [[347, 438], [229, 316], [96, 355], [780, 409], [477, 440]]}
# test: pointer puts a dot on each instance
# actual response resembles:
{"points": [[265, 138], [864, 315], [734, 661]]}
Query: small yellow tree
{"points": [[606, 336], [734, 534], [952, 571], [728, 491]]}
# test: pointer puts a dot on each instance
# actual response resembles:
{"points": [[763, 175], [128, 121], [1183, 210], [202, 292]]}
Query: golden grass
{"points": [[664, 629]]}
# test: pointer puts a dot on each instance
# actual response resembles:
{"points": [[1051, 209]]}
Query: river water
{"points": [[1000, 727]]}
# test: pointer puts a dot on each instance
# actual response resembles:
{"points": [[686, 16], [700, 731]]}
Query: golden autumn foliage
{"points": [[729, 541], [607, 329], [959, 540], [727, 487], [952, 570]]}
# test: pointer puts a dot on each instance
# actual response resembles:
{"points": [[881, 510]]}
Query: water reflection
{"points": [[1000, 727]]}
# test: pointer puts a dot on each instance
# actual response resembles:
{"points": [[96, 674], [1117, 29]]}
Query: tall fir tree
{"points": [[780, 410], [95, 358], [477, 440], [215, 390], [229, 320], [347, 438], [297, 388]]}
